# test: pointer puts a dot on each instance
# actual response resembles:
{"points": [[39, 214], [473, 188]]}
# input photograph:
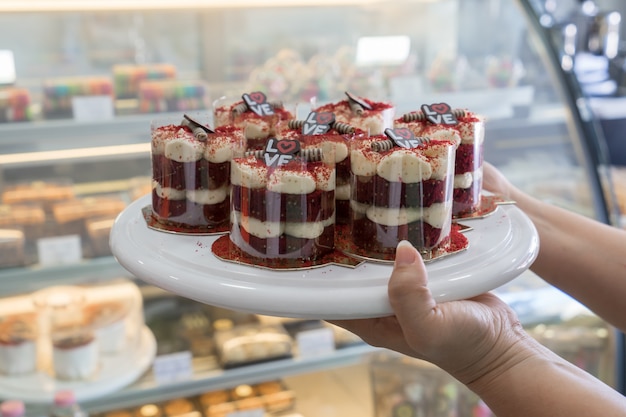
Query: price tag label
{"points": [[253, 412], [315, 342], [92, 108], [59, 250], [172, 367]]}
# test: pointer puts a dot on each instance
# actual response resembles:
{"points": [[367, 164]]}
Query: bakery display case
{"points": [[77, 104]]}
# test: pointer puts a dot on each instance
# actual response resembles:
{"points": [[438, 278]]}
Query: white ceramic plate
{"points": [[501, 246], [116, 372]]}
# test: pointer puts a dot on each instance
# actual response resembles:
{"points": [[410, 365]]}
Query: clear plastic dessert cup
{"points": [[284, 213], [469, 134], [191, 174], [399, 194], [255, 114]]}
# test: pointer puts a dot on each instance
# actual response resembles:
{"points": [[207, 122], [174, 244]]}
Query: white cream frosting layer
{"points": [[182, 146], [160, 138], [246, 175], [437, 215], [282, 180], [342, 192], [184, 150], [463, 180], [463, 132], [265, 230], [208, 196], [404, 165], [221, 149], [373, 122], [197, 196], [256, 129], [467, 179], [168, 192]]}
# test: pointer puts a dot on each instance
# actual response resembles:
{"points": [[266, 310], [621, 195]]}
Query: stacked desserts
{"points": [[364, 114], [191, 174], [468, 130], [322, 130], [283, 202], [66, 332], [401, 190], [254, 114]]}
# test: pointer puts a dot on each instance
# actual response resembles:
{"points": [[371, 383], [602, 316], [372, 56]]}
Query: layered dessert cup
{"points": [[336, 140], [75, 353], [439, 121], [400, 193], [372, 117], [109, 323], [18, 345], [283, 204], [191, 175], [254, 114]]}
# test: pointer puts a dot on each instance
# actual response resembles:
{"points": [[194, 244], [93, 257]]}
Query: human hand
{"points": [[468, 338], [495, 182]]}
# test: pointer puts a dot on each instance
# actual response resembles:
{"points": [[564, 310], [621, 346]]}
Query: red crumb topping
{"points": [[376, 106], [228, 130], [173, 129]]}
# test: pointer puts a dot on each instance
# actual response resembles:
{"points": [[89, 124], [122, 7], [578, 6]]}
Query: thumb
{"points": [[409, 296]]}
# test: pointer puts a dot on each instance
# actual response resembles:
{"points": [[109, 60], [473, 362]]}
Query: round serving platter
{"points": [[501, 246], [115, 372]]}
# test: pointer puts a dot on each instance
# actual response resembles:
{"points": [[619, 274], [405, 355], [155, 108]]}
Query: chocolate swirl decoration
{"points": [[295, 124], [419, 116], [341, 128], [276, 104], [356, 108], [199, 131], [239, 109], [386, 145], [308, 154], [242, 107], [414, 116]]}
